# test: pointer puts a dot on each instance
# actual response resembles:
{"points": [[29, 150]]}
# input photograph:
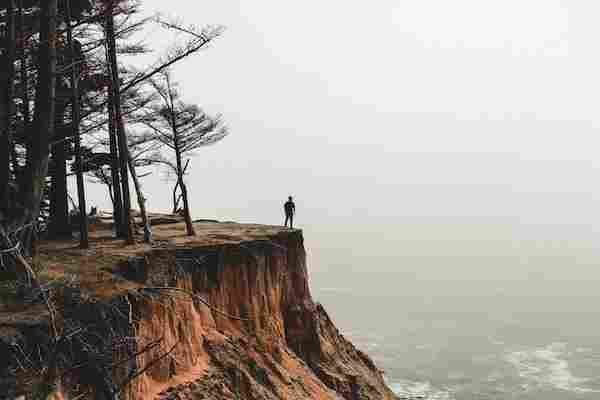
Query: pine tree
{"points": [[183, 128]]}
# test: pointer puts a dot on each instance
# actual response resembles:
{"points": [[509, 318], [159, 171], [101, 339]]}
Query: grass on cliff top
{"points": [[93, 273]]}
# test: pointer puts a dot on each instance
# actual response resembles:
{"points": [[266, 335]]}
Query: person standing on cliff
{"points": [[290, 209]]}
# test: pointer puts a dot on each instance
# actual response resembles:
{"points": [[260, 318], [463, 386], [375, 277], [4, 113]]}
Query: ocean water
{"points": [[467, 355], [469, 327]]}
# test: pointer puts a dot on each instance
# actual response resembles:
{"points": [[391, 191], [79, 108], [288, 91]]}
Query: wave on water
{"points": [[409, 390], [547, 367]]}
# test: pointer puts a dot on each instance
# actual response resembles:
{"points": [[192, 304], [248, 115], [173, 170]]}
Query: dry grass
{"points": [[94, 269]]}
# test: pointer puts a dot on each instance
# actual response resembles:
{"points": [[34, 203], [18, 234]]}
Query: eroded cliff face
{"points": [[230, 321]]}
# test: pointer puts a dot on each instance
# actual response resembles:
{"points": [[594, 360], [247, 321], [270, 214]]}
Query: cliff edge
{"points": [[224, 315]]}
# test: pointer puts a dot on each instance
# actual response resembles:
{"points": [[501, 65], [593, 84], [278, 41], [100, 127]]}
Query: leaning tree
{"points": [[183, 128]]}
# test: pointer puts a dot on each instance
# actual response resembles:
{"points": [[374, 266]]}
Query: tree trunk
{"points": [[140, 199], [189, 227], [110, 189], [59, 226], [23, 69], [114, 166], [4, 160], [83, 222], [121, 138], [25, 106], [118, 215], [37, 159], [7, 107], [175, 198]]}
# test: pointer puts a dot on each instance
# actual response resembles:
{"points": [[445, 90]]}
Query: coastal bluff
{"points": [[226, 314]]}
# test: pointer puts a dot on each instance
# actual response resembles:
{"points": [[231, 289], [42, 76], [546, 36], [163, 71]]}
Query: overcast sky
{"points": [[381, 112]]}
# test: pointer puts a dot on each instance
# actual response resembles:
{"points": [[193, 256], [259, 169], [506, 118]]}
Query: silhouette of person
{"points": [[290, 209]]}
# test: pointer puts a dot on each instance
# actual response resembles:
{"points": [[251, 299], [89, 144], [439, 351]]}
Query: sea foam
{"points": [[547, 367], [410, 390]]}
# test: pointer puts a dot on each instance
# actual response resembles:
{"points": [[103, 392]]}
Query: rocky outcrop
{"points": [[224, 321]]}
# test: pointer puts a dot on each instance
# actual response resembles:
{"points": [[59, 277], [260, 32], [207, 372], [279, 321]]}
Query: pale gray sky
{"points": [[464, 112]]}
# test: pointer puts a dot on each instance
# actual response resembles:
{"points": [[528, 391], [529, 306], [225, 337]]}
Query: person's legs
{"points": [[292, 221], [287, 217]]}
